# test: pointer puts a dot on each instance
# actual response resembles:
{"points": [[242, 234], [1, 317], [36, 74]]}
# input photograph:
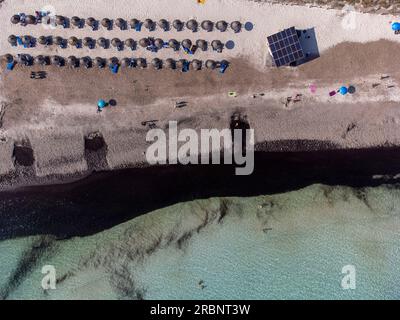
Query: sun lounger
{"points": [[138, 27], [19, 41], [185, 67], [114, 68], [223, 67]]}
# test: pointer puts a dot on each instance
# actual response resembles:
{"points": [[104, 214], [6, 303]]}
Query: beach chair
{"points": [[19, 41], [114, 68], [138, 27]]}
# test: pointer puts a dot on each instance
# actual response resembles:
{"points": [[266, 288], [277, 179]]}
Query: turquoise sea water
{"points": [[285, 246]]}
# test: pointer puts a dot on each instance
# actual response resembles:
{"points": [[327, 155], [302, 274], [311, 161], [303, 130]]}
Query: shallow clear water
{"points": [[286, 246]]}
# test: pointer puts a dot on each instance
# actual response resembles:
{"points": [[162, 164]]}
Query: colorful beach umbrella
{"points": [[343, 90], [396, 26], [101, 104]]}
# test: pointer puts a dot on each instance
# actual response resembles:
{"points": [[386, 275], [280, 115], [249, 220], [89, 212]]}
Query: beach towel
{"points": [[332, 93]]}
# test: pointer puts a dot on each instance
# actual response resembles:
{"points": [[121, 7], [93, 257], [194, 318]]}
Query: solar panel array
{"points": [[285, 47]]}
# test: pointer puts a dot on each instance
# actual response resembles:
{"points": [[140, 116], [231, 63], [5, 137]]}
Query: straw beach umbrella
{"points": [[100, 62], [196, 64], [40, 60], [30, 19], [148, 24], [221, 25], [144, 42], [127, 62], [134, 23], [58, 41], [120, 23], [43, 40], [202, 44], [170, 63], [12, 40], [86, 62], [106, 23], [157, 63], [174, 44], [91, 22], [56, 60], [102, 42], [159, 43], [76, 21], [60, 20], [8, 58], [187, 43], [178, 25], [217, 45], [15, 19], [236, 26], [116, 42], [163, 24], [73, 61], [87, 41], [73, 41], [141, 63], [180, 63], [207, 25], [192, 25], [211, 64], [130, 43], [113, 61]]}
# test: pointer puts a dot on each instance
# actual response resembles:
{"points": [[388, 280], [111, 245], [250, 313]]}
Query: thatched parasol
{"points": [[187, 43], [102, 42], [30, 19], [100, 62], [15, 19], [180, 63], [144, 42], [73, 41], [141, 63], [159, 43], [163, 24], [236, 26], [43, 40], [192, 25], [116, 42], [221, 25], [133, 23], [113, 61], [76, 21], [170, 63], [207, 25], [148, 24], [177, 24], [106, 23], [196, 64], [73, 61], [217, 45], [60, 20], [120, 23], [130, 43], [211, 64], [91, 22], [8, 58], [56, 60], [58, 41], [157, 63], [87, 41], [173, 43], [126, 62], [86, 62], [202, 44], [40, 60], [12, 39]]}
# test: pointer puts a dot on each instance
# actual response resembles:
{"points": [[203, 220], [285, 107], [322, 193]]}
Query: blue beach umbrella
{"points": [[396, 26], [343, 90], [101, 103]]}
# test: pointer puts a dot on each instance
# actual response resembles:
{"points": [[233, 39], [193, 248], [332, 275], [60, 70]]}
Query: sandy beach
{"points": [[53, 116]]}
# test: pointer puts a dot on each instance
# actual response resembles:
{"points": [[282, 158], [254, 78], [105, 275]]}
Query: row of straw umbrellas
{"points": [[149, 24], [102, 62], [115, 42]]}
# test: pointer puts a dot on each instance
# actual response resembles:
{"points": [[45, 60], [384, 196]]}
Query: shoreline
{"points": [[106, 199]]}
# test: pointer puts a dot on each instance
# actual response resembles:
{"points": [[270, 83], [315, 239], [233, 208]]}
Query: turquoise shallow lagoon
{"points": [[284, 246]]}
